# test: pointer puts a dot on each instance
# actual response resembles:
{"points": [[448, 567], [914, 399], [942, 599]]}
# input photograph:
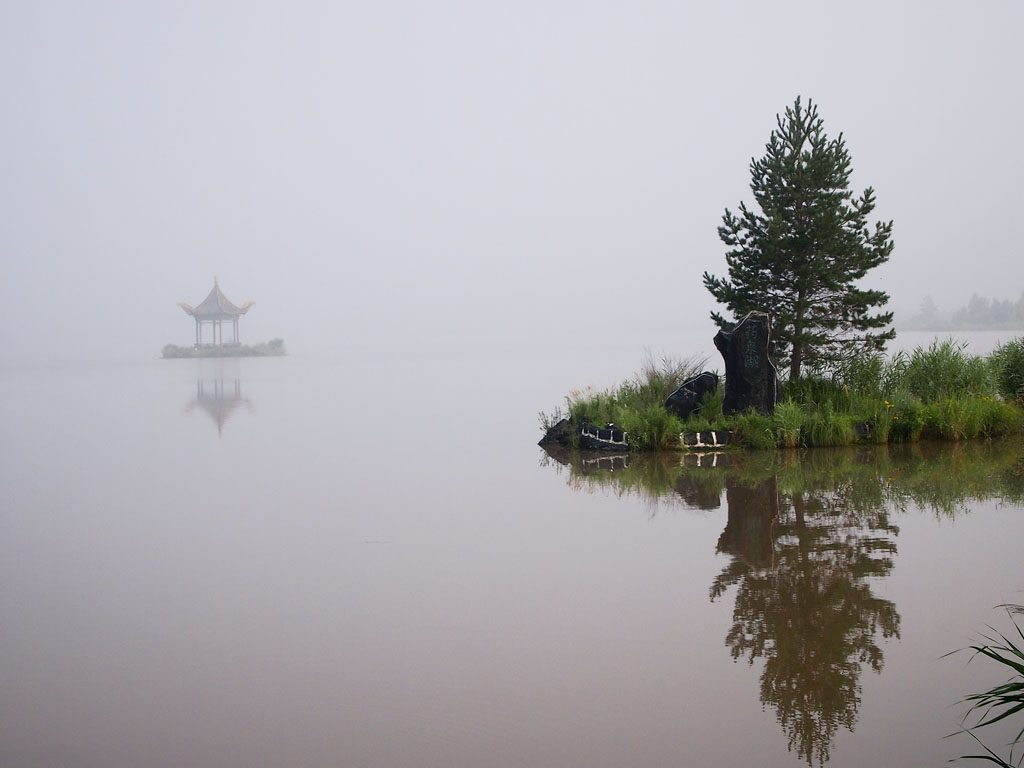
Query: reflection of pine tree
{"points": [[803, 604]]}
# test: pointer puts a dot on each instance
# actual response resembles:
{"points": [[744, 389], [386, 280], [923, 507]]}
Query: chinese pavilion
{"points": [[214, 310]]}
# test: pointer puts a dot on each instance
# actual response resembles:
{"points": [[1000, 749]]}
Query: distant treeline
{"points": [[978, 314]]}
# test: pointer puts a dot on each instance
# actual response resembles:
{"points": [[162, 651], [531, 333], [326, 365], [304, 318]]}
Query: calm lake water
{"points": [[367, 561]]}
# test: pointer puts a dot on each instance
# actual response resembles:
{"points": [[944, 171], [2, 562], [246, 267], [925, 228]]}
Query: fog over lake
{"points": [[325, 561], [395, 173], [454, 214]]}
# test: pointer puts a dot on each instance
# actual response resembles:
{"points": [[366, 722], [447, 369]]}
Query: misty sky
{"points": [[386, 172]]}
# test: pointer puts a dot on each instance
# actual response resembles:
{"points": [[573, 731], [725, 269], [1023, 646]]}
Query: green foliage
{"points": [[801, 257], [1008, 369], [697, 423], [710, 408], [944, 369], [871, 374], [788, 420], [878, 416], [818, 391], [650, 429], [592, 406], [754, 430], [908, 418], [827, 427], [969, 416], [1001, 701]]}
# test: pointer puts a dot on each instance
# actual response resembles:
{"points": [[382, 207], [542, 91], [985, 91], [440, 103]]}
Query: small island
{"points": [[213, 311], [935, 392], [272, 348], [794, 291]]}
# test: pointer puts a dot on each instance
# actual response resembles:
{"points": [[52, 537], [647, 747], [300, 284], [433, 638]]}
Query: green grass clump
{"points": [[754, 430], [944, 370], [788, 420], [871, 374], [818, 391], [968, 417], [908, 418], [710, 407], [650, 429], [1008, 369], [827, 427]]}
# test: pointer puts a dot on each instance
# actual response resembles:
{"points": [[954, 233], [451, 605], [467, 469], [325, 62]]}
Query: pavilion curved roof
{"points": [[215, 305]]}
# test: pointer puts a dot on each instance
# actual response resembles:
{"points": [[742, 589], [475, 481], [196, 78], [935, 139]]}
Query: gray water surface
{"points": [[367, 561]]}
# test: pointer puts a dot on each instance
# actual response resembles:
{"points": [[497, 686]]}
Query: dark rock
{"points": [[751, 380], [591, 438], [611, 438], [558, 434], [685, 400]]}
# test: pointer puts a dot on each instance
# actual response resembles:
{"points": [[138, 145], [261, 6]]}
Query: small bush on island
{"points": [[945, 370], [1008, 369], [935, 392]]}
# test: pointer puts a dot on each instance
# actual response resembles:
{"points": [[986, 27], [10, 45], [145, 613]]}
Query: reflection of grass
{"points": [[941, 477], [1001, 701]]}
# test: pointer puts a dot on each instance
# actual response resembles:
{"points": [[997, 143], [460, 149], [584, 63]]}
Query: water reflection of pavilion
{"points": [[219, 399]]}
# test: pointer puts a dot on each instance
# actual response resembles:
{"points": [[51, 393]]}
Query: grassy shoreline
{"points": [[934, 392]]}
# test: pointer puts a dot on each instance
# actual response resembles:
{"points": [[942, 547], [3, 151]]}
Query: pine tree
{"points": [[800, 257]]}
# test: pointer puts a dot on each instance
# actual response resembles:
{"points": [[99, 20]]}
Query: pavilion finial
{"points": [[216, 280]]}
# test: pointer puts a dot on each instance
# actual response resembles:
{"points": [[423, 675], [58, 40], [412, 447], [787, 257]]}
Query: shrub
{"points": [[877, 413], [944, 419], [907, 418], [826, 427], [754, 430], [590, 405], [1008, 369], [650, 429], [787, 419], [944, 370], [996, 417], [817, 391], [871, 374], [970, 416], [710, 408]]}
